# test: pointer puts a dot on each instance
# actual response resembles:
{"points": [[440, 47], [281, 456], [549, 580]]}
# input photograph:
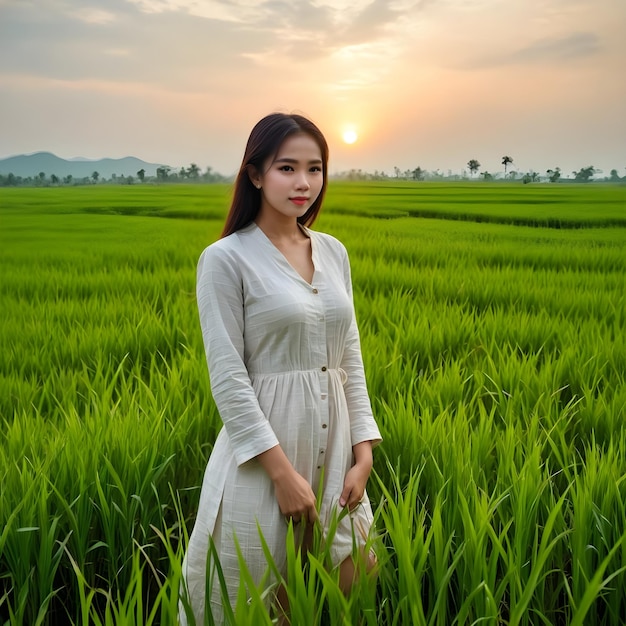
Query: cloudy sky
{"points": [[432, 83]]}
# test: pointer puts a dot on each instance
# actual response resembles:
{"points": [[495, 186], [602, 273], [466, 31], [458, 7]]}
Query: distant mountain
{"points": [[31, 164]]}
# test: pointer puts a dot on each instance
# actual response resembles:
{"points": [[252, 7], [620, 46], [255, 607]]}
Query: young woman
{"points": [[284, 359]]}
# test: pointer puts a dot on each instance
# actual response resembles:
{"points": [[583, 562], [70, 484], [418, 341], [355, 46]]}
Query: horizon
{"points": [[401, 174], [428, 83]]}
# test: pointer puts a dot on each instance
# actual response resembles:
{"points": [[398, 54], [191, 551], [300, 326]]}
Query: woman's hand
{"points": [[354, 486], [295, 497], [357, 476], [294, 494]]}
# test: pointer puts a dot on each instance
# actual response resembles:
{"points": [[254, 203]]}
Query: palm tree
{"points": [[418, 173], [506, 160], [193, 171], [473, 166], [554, 175], [163, 172], [585, 174]]}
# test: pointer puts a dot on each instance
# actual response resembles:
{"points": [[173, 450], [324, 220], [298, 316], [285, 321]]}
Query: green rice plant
{"points": [[128, 607], [598, 528], [495, 360], [402, 569], [596, 586], [480, 592], [556, 206], [32, 553]]}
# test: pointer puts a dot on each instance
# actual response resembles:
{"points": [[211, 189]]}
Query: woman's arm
{"points": [[363, 428], [364, 431], [294, 494], [219, 292]]}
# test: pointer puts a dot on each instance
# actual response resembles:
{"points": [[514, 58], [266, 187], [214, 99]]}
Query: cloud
{"points": [[345, 46], [543, 52], [574, 46], [357, 26], [65, 41], [238, 11], [201, 44], [302, 29], [91, 15]]}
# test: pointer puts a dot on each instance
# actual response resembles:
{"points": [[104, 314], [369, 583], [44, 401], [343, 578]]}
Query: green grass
{"points": [[544, 205], [496, 361], [554, 206]]}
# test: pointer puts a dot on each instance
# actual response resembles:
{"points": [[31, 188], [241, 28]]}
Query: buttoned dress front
{"points": [[285, 366]]}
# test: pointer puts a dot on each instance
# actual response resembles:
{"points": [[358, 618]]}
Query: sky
{"points": [[428, 83]]}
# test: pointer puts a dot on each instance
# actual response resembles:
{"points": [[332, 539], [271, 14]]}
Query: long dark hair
{"points": [[264, 142]]}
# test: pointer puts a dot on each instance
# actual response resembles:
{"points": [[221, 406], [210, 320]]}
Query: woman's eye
{"points": [[316, 169], [286, 168]]}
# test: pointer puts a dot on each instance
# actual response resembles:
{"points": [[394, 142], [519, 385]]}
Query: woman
{"points": [[282, 346]]}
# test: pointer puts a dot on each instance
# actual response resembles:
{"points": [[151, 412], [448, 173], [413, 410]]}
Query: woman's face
{"points": [[292, 180]]}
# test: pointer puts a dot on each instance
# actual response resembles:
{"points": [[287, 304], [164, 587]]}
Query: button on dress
{"points": [[285, 366]]}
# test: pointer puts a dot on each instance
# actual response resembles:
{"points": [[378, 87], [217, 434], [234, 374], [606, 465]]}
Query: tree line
{"points": [[163, 175], [583, 175], [193, 173]]}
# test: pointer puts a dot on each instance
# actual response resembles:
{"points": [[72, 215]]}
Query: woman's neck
{"points": [[286, 229]]}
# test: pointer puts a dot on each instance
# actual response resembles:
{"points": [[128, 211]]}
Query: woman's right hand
{"points": [[294, 494], [295, 497]]}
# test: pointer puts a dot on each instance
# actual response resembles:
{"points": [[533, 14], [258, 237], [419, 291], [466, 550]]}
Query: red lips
{"points": [[299, 200]]}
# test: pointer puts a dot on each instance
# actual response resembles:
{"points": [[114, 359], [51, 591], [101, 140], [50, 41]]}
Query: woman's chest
{"points": [[274, 300]]}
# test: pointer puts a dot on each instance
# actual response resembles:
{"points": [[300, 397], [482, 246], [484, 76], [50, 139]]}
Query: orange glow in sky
{"points": [[430, 84]]}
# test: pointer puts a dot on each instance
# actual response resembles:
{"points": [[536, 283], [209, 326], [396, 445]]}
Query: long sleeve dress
{"points": [[285, 366]]}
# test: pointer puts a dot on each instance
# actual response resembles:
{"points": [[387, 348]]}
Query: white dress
{"points": [[285, 366]]}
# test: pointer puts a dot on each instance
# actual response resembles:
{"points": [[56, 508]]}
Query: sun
{"points": [[350, 136]]}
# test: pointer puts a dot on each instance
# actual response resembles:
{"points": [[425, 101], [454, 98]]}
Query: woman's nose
{"points": [[303, 182]]}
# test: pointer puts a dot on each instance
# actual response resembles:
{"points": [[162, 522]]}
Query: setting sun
{"points": [[350, 136]]}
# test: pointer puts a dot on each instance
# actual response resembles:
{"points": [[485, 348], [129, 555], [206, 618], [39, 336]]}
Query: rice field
{"points": [[493, 324]]}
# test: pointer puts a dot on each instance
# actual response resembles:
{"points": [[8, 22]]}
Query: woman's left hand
{"points": [[354, 486], [356, 478]]}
